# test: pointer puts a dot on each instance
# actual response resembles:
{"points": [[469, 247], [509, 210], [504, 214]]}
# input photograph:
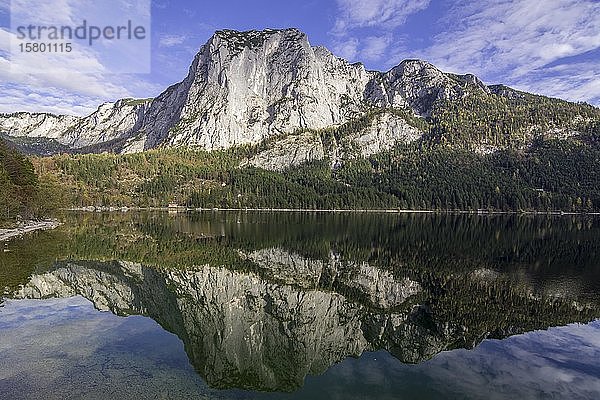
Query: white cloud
{"points": [[56, 101], [384, 13], [105, 55], [347, 48], [517, 36], [375, 47], [62, 90], [364, 30], [53, 82], [44, 13], [171, 40], [573, 81], [370, 48]]}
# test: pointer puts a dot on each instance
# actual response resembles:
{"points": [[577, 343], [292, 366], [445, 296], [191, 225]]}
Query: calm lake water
{"points": [[302, 306]]}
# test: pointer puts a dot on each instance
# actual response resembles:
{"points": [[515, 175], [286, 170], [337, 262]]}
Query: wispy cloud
{"points": [[54, 82], [387, 14], [347, 48], [375, 47], [520, 42], [573, 81], [60, 90], [171, 40], [517, 35], [382, 17]]}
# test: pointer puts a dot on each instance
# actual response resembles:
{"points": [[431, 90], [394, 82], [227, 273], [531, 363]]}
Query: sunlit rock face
{"points": [[36, 125], [290, 151], [382, 133], [378, 287], [109, 123], [245, 332], [245, 87]]}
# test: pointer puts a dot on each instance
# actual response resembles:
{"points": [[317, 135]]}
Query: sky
{"points": [[548, 47]]}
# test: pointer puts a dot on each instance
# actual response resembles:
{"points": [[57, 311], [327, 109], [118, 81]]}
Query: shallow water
{"points": [[257, 305]]}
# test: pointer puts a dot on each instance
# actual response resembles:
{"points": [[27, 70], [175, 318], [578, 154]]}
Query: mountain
{"points": [[242, 87], [246, 87], [47, 133], [264, 119]]}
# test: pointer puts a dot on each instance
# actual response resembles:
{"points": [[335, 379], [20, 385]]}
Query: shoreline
{"points": [[182, 209], [28, 227]]}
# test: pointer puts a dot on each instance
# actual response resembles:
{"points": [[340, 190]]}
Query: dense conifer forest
{"points": [[544, 156], [554, 175], [21, 192]]}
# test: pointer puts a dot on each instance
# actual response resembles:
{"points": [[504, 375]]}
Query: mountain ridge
{"points": [[245, 87]]}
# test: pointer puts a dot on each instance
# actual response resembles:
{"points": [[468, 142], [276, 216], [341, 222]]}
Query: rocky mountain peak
{"points": [[257, 47], [418, 85], [505, 91], [225, 45], [254, 38], [244, 87], [416, 67]]}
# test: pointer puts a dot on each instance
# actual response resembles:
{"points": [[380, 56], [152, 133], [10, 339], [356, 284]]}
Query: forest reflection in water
{"points": [[261, 301]]}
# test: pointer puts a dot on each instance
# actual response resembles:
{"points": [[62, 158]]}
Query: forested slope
{"points": [[552, 175], [21, 192], [497, 149]]}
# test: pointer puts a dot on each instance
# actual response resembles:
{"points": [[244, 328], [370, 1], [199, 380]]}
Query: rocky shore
{"points": [[27, 227]]}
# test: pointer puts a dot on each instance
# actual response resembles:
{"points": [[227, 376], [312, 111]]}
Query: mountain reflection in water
{"points": [[260, 301]]}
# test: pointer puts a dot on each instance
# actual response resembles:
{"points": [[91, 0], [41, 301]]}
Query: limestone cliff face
{"points": [[417, 85], [290, 151], [36, 125], [110, 122], [379, 288], [382, 133], [245, 87]]}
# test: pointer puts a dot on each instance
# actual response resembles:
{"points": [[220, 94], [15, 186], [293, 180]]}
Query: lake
{"points": [[251, 305]]}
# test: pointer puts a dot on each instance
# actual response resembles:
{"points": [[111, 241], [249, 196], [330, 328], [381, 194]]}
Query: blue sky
{"points": [[549, 47]]}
